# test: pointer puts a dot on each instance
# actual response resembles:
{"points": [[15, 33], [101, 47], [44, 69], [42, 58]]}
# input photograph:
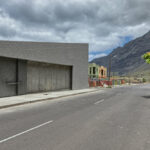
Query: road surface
{"points": [[116, 119]]}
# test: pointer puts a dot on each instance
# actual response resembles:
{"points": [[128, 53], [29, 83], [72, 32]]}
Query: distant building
{"points": [[93, 71], [96, 72], [102, 72]]}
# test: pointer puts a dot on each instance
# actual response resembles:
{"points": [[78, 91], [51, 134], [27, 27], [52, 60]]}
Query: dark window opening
{"points": [[90, 70], [94, 70], [102, 72]]}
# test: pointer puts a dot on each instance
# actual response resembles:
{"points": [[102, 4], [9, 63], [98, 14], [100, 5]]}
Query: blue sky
{"points": [[97, 54]]}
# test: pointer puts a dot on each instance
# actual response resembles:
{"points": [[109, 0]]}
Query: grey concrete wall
{"points": [[22, 77], [47, 77], [75, 55], [7, 76]]}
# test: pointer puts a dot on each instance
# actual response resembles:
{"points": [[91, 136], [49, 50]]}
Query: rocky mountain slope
{"points": [[127, 58]]}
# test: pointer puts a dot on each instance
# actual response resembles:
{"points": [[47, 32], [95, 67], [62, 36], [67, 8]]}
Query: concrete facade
{"points": [[14, 58], [48, 77]]}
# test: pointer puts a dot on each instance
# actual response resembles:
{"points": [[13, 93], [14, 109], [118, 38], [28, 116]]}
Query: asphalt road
{"points": [[116, 119]]}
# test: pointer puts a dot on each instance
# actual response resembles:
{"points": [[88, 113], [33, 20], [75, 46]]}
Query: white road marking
{"points": [[21, 133], [99, 102]]}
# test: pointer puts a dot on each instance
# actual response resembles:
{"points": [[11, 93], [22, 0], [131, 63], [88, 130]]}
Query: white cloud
{"points": [[93, 56], [97, 22]]}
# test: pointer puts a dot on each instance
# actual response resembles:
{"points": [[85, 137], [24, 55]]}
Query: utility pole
{"points": [[109, 69], [129, 79], [141, 77], [113, 78]]}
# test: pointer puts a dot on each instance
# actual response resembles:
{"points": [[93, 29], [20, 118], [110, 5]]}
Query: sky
{"points": [[104, 24]]}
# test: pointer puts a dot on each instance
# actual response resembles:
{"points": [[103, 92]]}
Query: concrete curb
{"points": [[40, 100]]}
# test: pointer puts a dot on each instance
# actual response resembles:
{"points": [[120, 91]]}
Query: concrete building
{"points": [[29, 67]]}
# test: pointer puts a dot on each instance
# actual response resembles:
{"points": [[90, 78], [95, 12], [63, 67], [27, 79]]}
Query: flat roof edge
{"points": [[41, 42]]}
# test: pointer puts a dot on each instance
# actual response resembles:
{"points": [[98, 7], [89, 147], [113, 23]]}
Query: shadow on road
{"points": [[148, 96]]}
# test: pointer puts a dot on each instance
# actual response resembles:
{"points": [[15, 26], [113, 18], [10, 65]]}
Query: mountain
{"points": [[127, 59]]}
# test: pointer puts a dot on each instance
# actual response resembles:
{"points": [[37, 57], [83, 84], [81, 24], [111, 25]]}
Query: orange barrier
{"points": [[93, 83], [123, 82]]}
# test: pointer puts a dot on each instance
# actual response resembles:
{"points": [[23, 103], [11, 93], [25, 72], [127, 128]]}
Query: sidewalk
{"points": [[32, 98]]}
